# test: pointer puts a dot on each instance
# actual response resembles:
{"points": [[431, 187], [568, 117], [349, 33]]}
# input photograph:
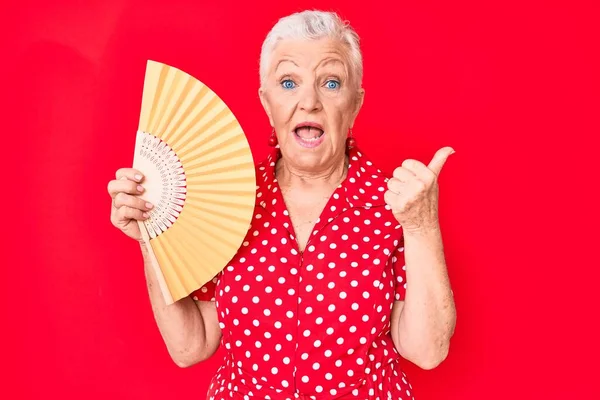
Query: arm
{"points": [[422, 324], [190, 329]]}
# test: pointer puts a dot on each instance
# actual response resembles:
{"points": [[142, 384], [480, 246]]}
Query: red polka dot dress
{"points": [[313, 324]]}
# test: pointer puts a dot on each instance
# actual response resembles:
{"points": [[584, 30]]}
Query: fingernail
{"points": [[140, 188], [148, 205], [138, 177], [145, 215]]}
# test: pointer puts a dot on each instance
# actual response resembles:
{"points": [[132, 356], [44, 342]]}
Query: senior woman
{"points": [[342, 271]]}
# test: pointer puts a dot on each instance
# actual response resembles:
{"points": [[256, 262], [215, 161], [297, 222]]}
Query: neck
{"points": [[329, 177]]}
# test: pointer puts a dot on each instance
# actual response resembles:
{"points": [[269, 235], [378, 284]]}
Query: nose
{"points": [[309, 99]]}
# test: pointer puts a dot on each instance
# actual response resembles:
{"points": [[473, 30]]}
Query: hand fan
{"points": [[199, 175]]}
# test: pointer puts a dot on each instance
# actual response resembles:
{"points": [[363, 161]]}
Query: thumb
{"points": [[439, 159]]}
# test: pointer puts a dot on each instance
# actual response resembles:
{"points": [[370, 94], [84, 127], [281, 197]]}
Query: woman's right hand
{"points": [[127, 208]]}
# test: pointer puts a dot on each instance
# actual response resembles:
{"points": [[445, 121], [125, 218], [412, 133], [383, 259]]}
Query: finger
{"points": [[439, 159], [126, 213], [391, 198], [129, 173], [395, 201], [403, 174], [126, 200], [124, 186], [396, 186], [419, 169]]}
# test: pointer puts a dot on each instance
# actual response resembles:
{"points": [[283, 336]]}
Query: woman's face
{"points": [[312, 100]]}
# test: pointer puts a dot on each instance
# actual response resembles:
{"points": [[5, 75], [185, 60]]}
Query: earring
{"points": [[350, 141], [273, 139]]}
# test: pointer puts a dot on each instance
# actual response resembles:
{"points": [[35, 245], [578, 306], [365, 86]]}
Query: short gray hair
{"points": [[313, 24]]}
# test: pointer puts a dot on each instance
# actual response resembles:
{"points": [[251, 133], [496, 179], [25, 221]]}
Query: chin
{"points": [[309, 158]]}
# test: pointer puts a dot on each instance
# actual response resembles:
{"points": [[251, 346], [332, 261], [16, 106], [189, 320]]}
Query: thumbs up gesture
{"points": [[413, 192]]}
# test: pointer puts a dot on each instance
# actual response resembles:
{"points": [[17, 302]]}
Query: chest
{"points": [[304, 213], [343, 271]]}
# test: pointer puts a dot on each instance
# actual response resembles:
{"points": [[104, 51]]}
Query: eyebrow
{"points": [[284, 60], [331, 60]]}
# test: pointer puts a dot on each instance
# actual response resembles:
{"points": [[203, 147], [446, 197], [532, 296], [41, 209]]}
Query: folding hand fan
{"points": [[199, 175]]}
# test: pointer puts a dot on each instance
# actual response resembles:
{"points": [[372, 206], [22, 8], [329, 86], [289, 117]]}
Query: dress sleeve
{"points": [[205, 292], [399, 271]]}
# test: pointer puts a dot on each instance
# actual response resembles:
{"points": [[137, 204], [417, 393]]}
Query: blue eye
{"points": [[288, 84], [331, 84]]}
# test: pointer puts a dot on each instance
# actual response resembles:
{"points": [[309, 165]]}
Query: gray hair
{"points": [[313, 24]]}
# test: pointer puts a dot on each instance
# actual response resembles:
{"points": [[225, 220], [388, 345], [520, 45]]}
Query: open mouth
{"points": [[309, 134]]}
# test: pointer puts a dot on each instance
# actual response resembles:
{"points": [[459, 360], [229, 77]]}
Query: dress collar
{"points": [[364, 185]]}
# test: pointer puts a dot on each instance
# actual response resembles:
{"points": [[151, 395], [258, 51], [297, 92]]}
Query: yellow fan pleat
{"points": [[208, 219]]}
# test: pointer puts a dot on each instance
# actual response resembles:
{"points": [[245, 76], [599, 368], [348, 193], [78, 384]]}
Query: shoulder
{"points": [[366, 188], [366, 182]]}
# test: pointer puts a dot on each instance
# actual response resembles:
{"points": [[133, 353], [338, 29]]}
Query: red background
{"points": [[511, 86]]}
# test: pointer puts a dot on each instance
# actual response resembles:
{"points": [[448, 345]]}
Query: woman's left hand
{"points": [[413, 192]]}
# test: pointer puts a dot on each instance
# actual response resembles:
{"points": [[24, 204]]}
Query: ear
{"points": [[265, 103], [360, 98]]}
